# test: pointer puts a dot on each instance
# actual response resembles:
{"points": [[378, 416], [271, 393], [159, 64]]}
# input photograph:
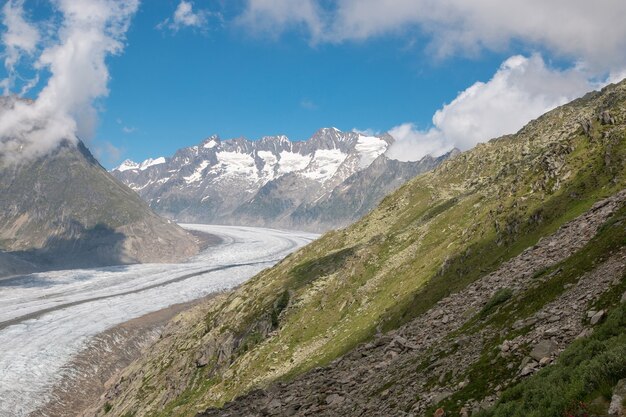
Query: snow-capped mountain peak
{"points": [[126, 165], [151, 162], [218, 177], [129, 165]]}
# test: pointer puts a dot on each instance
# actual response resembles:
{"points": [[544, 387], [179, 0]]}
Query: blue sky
{"points": [[164, 74], [174, 89]]}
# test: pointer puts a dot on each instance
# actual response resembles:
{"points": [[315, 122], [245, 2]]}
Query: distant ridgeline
{"points": [[325, 182]]}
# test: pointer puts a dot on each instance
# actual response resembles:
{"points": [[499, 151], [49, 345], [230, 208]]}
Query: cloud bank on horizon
{"points": [[74, 56], [590, 35]]}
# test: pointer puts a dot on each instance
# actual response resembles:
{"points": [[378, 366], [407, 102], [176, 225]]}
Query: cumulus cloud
{"points": [[274, 16], [578, 29], [590, 35], [185, 16], [366, 132], [521, 90], [20, 38], [90, 31]]}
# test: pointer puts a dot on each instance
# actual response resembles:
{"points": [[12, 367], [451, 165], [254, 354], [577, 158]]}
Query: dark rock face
{"points": [[325, 182], [64, 210]]}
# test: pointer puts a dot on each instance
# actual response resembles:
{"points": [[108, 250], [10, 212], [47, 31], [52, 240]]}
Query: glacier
{"points": [[46, 318]]}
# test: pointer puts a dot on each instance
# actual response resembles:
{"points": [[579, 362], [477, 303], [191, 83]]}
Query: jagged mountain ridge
{"points": [[444, 295], [273, 181], [64, 210]]}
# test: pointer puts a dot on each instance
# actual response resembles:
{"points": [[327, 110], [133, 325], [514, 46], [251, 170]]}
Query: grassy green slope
{"points": [[432, 237]]}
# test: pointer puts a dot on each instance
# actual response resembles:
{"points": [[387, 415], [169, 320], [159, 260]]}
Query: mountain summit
{"points": [[327, 181], [64, 210]]}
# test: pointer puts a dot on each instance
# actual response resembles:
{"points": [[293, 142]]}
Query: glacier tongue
{"points": [[46, 318]]}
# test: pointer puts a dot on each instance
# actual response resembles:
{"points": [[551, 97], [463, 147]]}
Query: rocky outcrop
{"points": [[617, 407]]}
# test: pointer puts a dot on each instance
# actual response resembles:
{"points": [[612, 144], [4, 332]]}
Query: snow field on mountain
{"points": [[324, 164], [197, 174], [291, 161], [369, 148]]}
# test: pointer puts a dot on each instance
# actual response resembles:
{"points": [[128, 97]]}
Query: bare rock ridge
{"points": [[489, 286], [325, 182], [64, 210]]}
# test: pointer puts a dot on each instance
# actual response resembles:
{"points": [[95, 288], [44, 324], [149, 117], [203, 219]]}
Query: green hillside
{"points": [[432, 238]]}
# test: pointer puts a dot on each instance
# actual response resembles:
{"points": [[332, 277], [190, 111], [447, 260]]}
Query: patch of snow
{"points": [[139, 188], [292, 161], [369, 148], [151, 162], [126, 166], [210, 144], [197, 174], [324, 164], [270, 163], [237, 164]]}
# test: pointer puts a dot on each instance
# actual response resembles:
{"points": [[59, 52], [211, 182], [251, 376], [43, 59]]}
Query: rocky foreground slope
{"points": [[64, 210], [490, 286], [326, 182]]}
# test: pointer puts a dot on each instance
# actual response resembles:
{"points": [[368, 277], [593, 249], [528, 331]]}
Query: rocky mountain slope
{"points": [[491, 286], [325, 182], [64, 210]]}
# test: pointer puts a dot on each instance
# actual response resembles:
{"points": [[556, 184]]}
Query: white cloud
{"points": [[274, 16], [185, 16], [590, 31], [413, 144], [521, 90], [308, 104], [129, 129], [590, 35], [107, 152], [366, 132], [90, 31], [20, 38]]}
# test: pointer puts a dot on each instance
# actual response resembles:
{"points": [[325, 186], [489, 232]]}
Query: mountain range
{"points": [[325, 182], [491, 286]]}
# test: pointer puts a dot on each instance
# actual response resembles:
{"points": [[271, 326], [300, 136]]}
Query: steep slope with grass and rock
{"points": [[472, 289]]}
